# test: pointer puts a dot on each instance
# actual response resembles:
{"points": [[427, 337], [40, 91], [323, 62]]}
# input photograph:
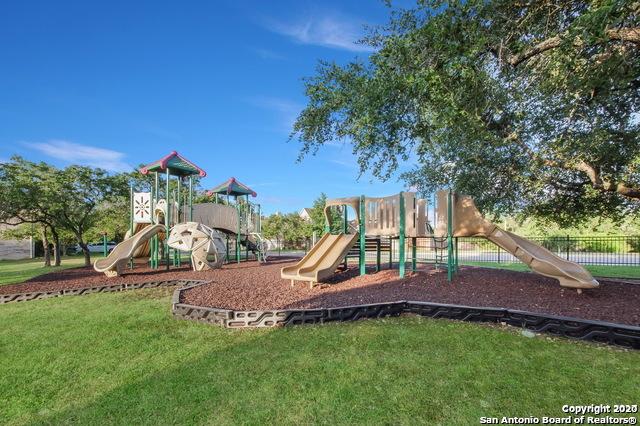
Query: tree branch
{"points": [[631, 35], [606, 185]]}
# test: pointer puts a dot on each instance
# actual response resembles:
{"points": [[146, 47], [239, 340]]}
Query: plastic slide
{"points": [[114, 264], [543, 261], [322, 260], [468, 222]]}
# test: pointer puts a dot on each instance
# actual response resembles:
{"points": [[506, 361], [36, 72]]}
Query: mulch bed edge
{"points": [[622, 335], [81, 291]]}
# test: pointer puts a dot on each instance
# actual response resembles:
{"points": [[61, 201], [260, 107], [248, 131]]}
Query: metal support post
{"points": [[450, 264], [361, 227], [401, 248]]}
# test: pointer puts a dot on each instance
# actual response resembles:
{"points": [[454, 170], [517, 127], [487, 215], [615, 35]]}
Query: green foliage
{"points": [[522, 105], [289, 228], [68, 199], [318, 219]]}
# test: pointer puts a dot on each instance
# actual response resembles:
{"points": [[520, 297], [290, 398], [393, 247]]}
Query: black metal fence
{"points": [[602, 250], [588, 250]]}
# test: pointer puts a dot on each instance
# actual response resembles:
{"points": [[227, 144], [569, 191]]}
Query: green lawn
{"points": [[17, 271], [596, 270], [121, 358]]}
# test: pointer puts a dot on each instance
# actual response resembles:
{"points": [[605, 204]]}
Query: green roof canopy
{"points": [[176, 164], [232, 187]]}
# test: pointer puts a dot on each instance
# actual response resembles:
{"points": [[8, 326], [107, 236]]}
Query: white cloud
{"points": [[76, 153], [286, 110], [352, 164], [267, 54], [328, 31]]}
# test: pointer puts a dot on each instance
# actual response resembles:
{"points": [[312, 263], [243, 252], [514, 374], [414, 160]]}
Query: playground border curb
{"points": [[621, 335], [81, 291]]}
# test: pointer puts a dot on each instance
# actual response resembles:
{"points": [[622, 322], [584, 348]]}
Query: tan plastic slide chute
{"points": [[322, 260], [468, 222], [114, 264]]}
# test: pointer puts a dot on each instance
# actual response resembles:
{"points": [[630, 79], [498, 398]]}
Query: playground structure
{"points": [[163, 228], [201, 241], [405, 216], [238, 218]]}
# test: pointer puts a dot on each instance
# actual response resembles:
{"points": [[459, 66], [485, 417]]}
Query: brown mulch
{"points": [[254, 286]]}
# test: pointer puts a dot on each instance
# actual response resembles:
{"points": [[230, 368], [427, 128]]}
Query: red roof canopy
{"points": [[176, 164], [232, 187]]}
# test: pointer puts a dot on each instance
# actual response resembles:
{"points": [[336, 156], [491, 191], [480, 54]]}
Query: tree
{"points": [[318, 220], [25, 197], [528, 105], [80, 192], [289, 228]]}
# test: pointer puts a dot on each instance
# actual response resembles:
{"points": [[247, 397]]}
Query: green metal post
{"points": [[456, 254], [361, 222], [104, 244], [152, 238], [239, 230], [156, 248], [131, 209], [378, 255], [227, 247], [248, 218], [450, 263], [344, 220], [191, 199], [413, 253], [177, 255], [131, 219], [401, 248], [167, 221]]}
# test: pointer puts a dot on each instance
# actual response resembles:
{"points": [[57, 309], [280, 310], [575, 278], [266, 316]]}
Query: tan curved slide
{"points": [[543, 261], [322, 260], [114, 264], [468, 222]]}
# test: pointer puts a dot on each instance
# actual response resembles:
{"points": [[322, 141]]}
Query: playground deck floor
{"points": [[254, 286]]}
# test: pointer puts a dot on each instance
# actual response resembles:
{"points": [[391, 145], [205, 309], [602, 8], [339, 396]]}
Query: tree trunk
{"points": [[45, 246], [86, 252], [56, 248]]}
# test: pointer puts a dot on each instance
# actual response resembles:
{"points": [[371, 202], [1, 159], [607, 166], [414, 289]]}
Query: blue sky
{"points": [[116, 84]]}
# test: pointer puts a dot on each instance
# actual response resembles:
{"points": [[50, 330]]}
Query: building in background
{"points": [[15, 249], [305, 214]]}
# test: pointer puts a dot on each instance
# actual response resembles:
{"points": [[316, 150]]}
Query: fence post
{"points": [[567, 247], [413, 253], [401, 247]]}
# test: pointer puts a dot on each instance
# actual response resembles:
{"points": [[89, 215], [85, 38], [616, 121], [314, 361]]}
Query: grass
{"points": [[621, 271], [121, 358], [17, 271]]}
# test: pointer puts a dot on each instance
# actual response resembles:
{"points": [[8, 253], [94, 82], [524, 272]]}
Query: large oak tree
{"points": [[526, 105]]}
